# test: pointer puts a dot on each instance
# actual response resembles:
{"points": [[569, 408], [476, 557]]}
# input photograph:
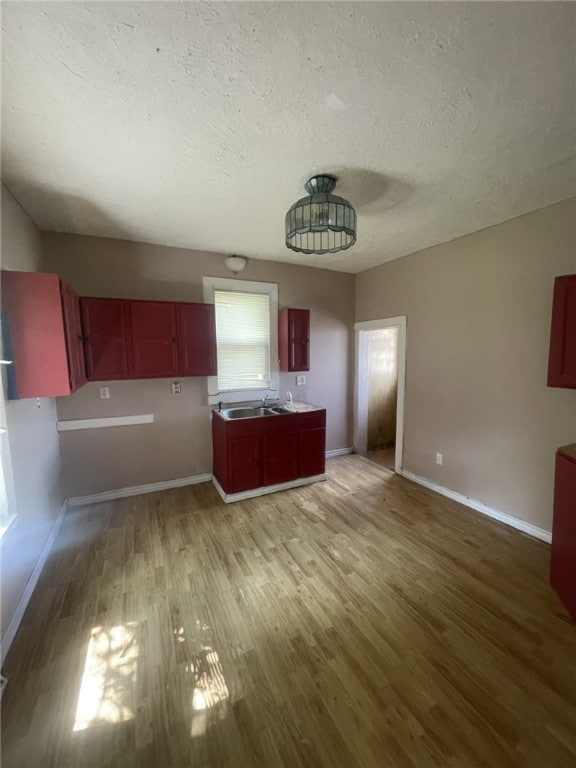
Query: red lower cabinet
{"points": [[267, 451], [563, 555]]}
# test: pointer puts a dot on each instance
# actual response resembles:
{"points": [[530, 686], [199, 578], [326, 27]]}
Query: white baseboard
{"points": [[339, 452], [137, 490], [18, 615], [495, 514], [253, 492]]}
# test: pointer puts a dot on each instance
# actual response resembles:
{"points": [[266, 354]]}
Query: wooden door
{"points": [[105, 345], [153, 339], [312, 452], [74, 336], [196, 339], [243, 463], [299, 333], [562, 360], [563, 553]]}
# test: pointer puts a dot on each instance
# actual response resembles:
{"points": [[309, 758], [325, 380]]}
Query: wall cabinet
{"points": [[562, 360], [43, 317], [294, 339], [260, 452], [135, 339], [563, 552], [105, 338]]}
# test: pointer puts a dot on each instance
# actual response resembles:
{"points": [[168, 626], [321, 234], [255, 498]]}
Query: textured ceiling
{"points": [[197, 124]]}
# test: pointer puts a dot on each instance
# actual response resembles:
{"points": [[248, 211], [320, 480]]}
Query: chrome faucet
{"points": [[264, 399]]}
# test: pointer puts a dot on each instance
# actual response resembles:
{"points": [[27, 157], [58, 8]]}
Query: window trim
{"points": [[211, 284]]}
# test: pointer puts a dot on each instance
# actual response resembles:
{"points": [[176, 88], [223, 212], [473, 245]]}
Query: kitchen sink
{"points": [[247, 413]]}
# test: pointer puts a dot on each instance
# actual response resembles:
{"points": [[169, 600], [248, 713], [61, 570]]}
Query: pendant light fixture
{"points": [[321, 222]]}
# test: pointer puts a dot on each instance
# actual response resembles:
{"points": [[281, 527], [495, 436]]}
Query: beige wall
{"points": [[32, 436], [478, 321], [178, 444]]}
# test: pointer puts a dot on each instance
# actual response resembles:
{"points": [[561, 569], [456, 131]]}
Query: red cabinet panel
{"points": [[280, 454], [105, 338], [36, 314], [74, 336], [267, 451], [563, 553], [294, 339], [562, 360], [196, 339], [313, 452], [243, 463], [153, 339]]}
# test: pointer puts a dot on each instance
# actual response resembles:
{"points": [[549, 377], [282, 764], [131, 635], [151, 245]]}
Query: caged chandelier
{"points": [[321, 222]]}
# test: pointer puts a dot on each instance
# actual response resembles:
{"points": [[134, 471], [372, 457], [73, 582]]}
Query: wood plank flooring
{"points": [[363, 622]]}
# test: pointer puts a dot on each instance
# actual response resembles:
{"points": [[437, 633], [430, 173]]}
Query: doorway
{"points": [[379, 401]]}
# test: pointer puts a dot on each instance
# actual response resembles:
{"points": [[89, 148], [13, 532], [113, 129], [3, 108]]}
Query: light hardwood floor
{"points": [[364, 621]]}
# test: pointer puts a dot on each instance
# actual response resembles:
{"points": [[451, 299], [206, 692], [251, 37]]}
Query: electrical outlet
{"points": [[300, 380], [176, 388], [104, 393], [439, 458]]}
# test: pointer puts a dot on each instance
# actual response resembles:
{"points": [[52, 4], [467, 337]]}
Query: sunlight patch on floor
{"points": [[107, 691]]}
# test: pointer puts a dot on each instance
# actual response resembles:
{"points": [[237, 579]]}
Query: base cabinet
{"points": [[563, 552], [267, 451]]}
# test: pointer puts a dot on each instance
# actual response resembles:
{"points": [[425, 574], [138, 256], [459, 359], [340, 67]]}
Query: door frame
{"points": [[360, 434]]}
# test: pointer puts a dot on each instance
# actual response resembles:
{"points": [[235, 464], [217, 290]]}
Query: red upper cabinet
{"points": [[134, 339], [562, 361], [294, 339], [196, 339], [153, 339], [105, 338], [74, 336], [46, 353]]}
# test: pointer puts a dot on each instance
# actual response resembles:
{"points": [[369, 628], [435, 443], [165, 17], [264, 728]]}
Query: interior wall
{"points": [[178, 443], [32, 437], [382, 387], [478, 324]]}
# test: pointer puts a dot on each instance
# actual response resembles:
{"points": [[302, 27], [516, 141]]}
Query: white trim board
{"points": [[495, 514], [339, 452], [111, 421], [228, 498], [137, 490], [18, 614]]}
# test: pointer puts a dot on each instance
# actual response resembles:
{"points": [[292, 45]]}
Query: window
{"points": [[246, 339]]}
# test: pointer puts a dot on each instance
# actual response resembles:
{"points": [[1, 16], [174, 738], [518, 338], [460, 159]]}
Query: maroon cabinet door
{"points": [[280, 441], [74, 336], [562, 360], [196, 339], [294, 339], [153, 339], [33, 306], [243, 463], [105, 339], [563, 553], [313, 451]]}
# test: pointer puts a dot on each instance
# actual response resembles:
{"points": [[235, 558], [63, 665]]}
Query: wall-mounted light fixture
{"points": [[235, 263]]}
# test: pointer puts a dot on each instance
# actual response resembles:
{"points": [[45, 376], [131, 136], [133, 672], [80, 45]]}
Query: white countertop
{"points": [[300, 407]]}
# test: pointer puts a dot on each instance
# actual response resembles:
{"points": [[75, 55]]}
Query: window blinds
{"points": [[243, 340]]}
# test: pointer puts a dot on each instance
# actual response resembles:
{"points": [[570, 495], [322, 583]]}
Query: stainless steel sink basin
{"points": [[247, 413], [279, 409]]}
